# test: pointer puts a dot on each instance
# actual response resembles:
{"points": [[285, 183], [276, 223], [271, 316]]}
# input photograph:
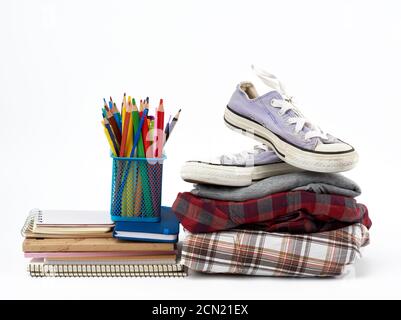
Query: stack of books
{"points": [[81, 244]]}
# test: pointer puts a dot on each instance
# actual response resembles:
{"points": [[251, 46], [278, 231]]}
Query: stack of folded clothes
{"points": [[281, 209]]}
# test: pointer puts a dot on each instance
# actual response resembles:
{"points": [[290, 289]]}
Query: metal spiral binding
{"points": [[41, 270]]}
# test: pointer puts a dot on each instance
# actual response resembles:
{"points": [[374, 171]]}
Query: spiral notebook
{"points": [[41, 223], [41, 269]]}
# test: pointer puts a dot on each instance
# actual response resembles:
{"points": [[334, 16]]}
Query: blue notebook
{"points": [[164, 231]]}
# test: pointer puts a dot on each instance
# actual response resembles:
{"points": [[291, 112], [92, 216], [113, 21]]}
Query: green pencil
{"points": [[135, 117]]}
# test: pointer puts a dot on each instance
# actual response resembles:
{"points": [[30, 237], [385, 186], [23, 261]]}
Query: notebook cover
{"points": [[144, 237], [71, 218], [91, 244], [168, 224]]}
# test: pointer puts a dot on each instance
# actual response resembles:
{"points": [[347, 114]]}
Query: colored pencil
{"points": [[123, 109], [143, 184], [106, 124], [115, 122], [125, 133], [167, 128], [117, 112], [138, 136], [114, 126], [173, 123], [105, 104], [145, 134], [130, 138], [112, 148], [159, 130], [151, 125], [138, 148], [142, 177], [140, 108], [128, 190], [116, 145], [113, 108]]}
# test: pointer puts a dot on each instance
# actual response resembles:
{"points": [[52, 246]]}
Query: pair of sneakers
{"points": [[290, 142]]}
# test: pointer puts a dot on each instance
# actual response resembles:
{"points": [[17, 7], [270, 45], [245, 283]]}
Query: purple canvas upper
{"points": [[260, 110], [260, 156]]}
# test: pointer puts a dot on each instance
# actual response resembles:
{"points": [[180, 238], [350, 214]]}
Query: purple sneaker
{"points": [[238, 169], [274, 120]]}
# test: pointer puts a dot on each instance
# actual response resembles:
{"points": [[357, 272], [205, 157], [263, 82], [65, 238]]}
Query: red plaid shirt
{"points": [[292, 212]]}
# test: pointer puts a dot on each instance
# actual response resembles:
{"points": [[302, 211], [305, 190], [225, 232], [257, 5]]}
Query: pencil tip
{"points": [[161, 101], [125, 94], [133, 101], [111, 98]]}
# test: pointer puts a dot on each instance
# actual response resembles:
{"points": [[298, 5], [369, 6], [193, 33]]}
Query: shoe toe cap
{"points": [[334, 147]]}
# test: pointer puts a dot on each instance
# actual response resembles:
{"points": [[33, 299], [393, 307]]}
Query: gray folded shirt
{"points": [[330, 183]]}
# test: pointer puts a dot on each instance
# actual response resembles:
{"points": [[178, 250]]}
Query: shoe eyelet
{"points": [[273, 102]]}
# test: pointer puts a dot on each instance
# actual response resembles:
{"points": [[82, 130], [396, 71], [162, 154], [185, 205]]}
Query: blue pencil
{"points": [[139, 131], [111, 134], [136, 139]]}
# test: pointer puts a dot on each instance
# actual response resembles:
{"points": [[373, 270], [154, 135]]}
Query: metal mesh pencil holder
{"points": [[136, 189]]}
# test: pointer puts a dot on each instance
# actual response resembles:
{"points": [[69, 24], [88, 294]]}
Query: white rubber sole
{"points": [[311, 161], [234, 176]]}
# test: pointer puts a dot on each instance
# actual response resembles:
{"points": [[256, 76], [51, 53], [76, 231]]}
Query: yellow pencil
{"points": [[128, 192], [123, 109], [113, 150], [130, 137]]}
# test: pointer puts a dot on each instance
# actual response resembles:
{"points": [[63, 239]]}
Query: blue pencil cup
{"points": [[136, 189]]}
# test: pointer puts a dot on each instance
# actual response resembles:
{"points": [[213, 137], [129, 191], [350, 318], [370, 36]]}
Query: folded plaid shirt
{"points": [[292, 212], [262, 253]]}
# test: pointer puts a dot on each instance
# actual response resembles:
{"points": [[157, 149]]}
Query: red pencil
{"points": [[145, 131], [159, 130]]}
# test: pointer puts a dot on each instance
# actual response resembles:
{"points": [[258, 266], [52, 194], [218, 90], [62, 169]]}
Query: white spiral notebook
{"points": [[67, 222], [38, 268]]}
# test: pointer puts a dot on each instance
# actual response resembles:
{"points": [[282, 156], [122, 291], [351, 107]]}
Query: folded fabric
{"points": [[295, 212], [330, 183], [261, 253]]}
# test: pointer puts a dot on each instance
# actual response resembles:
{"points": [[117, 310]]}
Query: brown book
{"points": [[91, 244]]}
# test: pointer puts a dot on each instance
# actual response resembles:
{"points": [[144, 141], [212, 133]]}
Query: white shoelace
{"points": [[288, 104], [243, 157]]}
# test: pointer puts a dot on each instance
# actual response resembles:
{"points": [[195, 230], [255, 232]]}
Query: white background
{"points": [[58, 59]]}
